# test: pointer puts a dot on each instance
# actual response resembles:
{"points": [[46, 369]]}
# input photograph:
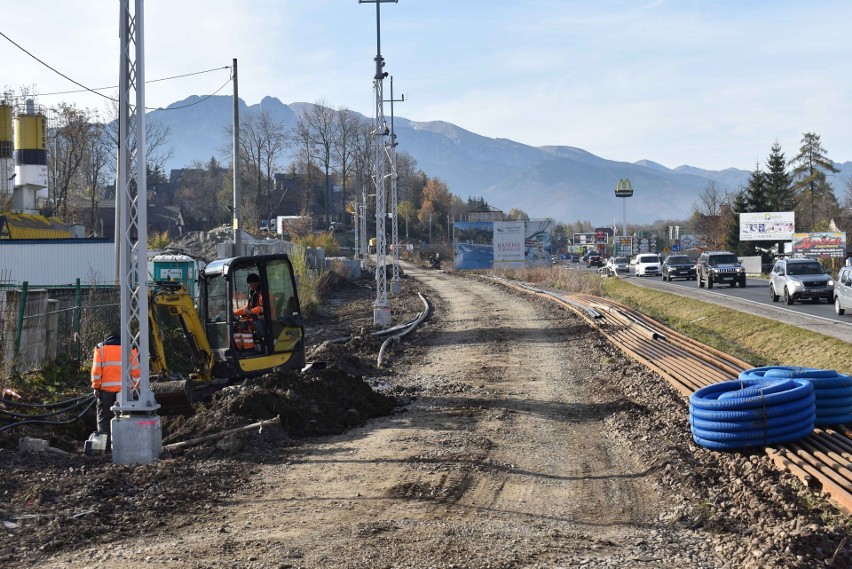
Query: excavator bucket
{"points": [[174, 397]]}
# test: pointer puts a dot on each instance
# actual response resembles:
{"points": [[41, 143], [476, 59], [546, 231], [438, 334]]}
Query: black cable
{"points": [[54, 69], [195, 103], [146, 82], [14, 403], [35, 422], [44, 415], [90, 90]]}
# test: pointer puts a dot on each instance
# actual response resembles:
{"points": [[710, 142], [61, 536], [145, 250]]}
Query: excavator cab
{"points": [[244, 345], [222, 344]]}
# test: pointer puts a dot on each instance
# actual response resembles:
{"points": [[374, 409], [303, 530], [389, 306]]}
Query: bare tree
{"points": [[67, 142], [95, 169], [346, 146], [319, 128], [157, 149], [707, 213]]}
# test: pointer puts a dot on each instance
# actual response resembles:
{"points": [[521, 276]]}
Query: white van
{"points": [[647, 264]]}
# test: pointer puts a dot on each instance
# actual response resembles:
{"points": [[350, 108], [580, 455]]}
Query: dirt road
{"points": [[519, 449]]}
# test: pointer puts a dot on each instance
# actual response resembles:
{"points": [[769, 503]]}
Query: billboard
{"points": [[504, 244], [537, 242], [767, 226], [508, 244], [602, 235], [473, 245], [584, 238], [826, 244]]}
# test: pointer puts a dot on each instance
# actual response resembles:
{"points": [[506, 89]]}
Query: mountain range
{"points": [[560, 182]]}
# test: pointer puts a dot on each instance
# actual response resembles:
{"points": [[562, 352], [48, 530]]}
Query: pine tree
{"points": [[779, 187], [815, 199], [732, 229], [756, 198]]}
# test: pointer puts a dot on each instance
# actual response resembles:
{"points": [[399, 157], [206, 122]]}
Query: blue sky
{"points": [[709, 84]]}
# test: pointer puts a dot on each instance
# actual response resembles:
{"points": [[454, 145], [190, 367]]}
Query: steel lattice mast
{"points": [[136, 429], [394, 177], [381, 308]]}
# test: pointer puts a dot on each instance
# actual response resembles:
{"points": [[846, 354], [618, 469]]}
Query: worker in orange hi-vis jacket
{"points": [[106, 378], [251, 316]]}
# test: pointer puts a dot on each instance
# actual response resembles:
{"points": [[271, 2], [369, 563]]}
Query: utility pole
{"points": [[381, 309], [236, 158], [136, 429], [396, 284]]}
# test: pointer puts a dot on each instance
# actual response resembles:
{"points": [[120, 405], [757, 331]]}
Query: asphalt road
{"points": [[754, 299]]}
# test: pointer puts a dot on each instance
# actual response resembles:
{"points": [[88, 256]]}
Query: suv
{"points": [[594, 260], [678, 267], [720, 267], [798, 279], [647, 264], [843, 290]]}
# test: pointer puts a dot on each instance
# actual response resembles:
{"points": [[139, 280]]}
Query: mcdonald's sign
{"points": [[624, 189]]}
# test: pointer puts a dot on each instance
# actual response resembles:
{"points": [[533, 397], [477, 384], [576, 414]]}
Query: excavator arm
{"points": [[179, 303]]}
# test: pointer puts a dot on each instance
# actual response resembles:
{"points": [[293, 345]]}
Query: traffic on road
{"points": [[798, 285]]}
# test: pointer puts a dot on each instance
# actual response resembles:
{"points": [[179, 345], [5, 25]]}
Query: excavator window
{"points": [[216, 313]]}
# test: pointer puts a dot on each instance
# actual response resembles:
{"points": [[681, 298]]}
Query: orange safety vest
{"points": [[106, 367], [254, 305]]}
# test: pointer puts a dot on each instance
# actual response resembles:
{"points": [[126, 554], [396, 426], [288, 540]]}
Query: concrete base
{"points": [[395, 287], [137, 438], [382, 316]]}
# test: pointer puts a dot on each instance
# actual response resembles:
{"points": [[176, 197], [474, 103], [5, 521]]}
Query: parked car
{"points": [[647, 264], [843, 290], [618, 264], [800, 279], [720, 267], [678, 267], [594, 260]]}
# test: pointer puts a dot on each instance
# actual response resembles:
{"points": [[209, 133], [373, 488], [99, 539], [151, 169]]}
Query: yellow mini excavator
{"points": [[210, 338]]}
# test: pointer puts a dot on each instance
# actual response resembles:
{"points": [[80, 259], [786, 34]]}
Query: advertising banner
{"points": [[509, 247], [602, 236], [584, 238], [485, 245], [767, 226], [827, 244], [537, 242], [473, 245]]}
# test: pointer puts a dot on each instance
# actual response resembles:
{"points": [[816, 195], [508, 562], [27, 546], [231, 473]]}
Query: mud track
{"points": [[518, 449]]}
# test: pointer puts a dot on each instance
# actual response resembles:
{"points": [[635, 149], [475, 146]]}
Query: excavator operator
{"points": [[249, 319]]}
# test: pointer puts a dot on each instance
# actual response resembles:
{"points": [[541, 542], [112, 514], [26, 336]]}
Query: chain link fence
{"points": [[43, 325]]}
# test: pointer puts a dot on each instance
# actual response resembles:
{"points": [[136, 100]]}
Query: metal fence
{"points": [[42, 325]]}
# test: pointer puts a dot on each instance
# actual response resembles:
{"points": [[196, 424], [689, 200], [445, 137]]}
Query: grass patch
{"points": [[757, 340]]}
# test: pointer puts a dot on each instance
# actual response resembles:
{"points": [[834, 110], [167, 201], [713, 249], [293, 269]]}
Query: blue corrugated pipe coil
{"points": [[833, 390], [752, 412]]}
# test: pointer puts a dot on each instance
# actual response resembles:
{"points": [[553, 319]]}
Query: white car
{"points": [[618, 264], [647, 264]]}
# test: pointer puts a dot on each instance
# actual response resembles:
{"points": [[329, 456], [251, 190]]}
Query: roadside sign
{"points": [[675, 247]]}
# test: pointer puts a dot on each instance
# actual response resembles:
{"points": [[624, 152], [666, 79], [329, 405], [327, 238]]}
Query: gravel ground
{"points": [[503, 433]]}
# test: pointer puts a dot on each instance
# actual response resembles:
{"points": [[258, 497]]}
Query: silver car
{"points": [[800, 279], [843, 291]]}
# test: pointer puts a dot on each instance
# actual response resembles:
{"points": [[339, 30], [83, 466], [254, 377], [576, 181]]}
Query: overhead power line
{"points": [[146, 82], [96, 91], [53, 68]]}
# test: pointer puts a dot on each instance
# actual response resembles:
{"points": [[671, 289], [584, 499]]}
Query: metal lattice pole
{"points": [[394, 177], [381, 312], [134, 441], [362, 228], [381, 309]]}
